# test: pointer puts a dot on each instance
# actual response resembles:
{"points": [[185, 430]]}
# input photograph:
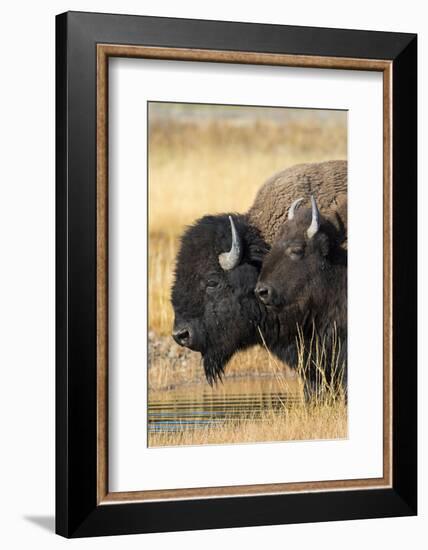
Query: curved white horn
{"points": [[293, 208], [229, 260], [315, 223]]}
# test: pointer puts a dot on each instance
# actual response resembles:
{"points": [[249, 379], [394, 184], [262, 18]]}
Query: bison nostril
{"points": [[263, 292], [182, 336]]}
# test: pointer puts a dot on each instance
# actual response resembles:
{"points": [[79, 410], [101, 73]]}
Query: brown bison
{"points": [[216, 310], [303, 283]]}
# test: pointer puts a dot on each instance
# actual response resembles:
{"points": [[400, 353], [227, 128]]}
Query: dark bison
{"points": [[216, 310], [303, 282]]}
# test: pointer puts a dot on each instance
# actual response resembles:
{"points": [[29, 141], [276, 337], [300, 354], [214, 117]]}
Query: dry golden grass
{"points": [[163, 249], [294, 423], [213, 166]]}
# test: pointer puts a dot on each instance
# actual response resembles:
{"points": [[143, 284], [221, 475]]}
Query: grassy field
{"points": [[294, 423], [211, 160]]}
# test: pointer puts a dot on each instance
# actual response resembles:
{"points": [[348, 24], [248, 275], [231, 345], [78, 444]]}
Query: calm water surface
{"points": [[177, 412]]}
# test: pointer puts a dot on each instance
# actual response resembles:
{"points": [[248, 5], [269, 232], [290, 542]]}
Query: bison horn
{"points": [[293, 208], [315, 223], [229, 260]]}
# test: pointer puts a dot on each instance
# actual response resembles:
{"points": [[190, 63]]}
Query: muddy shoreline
{"points": [[171, 367]]}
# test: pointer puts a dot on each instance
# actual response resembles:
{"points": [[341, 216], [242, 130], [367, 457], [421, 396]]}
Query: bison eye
{"points": [[295, 252], [212, 283]]}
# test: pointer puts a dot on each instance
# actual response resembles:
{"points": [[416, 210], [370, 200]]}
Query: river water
{"points": [[177, 410]]}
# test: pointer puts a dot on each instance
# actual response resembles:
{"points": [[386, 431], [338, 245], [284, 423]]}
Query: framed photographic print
{"points": [[236, 274]]}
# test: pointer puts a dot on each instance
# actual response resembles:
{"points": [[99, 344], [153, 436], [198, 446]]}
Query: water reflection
{"points": [[178, 413]]}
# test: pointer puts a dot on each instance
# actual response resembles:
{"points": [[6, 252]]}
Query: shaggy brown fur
{"points": [[327, 181], [304, 282]]}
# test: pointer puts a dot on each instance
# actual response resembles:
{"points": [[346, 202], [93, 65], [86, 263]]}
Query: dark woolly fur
{"points": [[307, 283], [219, 307]]}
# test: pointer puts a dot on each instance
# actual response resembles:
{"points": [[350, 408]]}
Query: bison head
{"points": [[213, 296], [295, 273]]}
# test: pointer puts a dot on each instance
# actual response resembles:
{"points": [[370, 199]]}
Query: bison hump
{"points": [[327, 181]]}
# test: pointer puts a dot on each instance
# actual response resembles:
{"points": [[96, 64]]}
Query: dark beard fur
{"points": [[214, 364]]}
